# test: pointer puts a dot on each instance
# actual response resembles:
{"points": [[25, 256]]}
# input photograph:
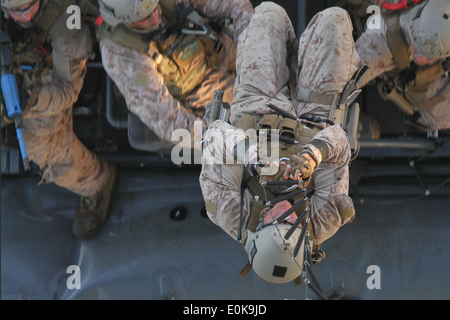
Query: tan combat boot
{"points": [[93, 210]]}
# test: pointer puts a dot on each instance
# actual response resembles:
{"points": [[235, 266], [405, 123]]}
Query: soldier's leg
{"points": [[262, 72], [327, 59], [66, 162]]}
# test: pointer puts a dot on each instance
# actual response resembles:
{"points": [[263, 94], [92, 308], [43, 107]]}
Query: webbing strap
{"points": [[397, 42], [245, 270], [307, 95]]}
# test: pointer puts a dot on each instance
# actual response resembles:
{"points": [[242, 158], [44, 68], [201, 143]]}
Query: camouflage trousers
{"points": [[267, 59], [323, 60], [65, 161]]}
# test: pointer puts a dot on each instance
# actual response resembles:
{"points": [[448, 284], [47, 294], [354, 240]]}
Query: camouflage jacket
{"points": [[143, 88], [373, 49]]}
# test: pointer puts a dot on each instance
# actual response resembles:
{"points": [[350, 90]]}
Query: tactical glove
{"points": [[302, 168]]}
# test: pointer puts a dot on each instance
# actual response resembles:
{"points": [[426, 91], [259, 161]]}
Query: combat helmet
{"points": [[8, 4], [272, 256], [428, 28], [115, 12]]}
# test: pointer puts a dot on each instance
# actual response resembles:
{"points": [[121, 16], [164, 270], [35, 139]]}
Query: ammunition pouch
{"points": [[292, 135], [269, 121]]}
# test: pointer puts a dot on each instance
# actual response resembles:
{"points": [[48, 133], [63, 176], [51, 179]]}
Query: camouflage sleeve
{"points": [[60, 88], [240, 11], [145, 93], [331, 207], [333, 147], [373, 50], [438, 117]]}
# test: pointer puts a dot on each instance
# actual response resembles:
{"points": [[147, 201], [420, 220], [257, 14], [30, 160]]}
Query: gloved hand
{"points": [[302, 167]]}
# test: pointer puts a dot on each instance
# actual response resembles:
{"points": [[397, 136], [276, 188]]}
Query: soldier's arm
{"points": [[144, 90], [373, 50], [60, 88], [240, 11]]}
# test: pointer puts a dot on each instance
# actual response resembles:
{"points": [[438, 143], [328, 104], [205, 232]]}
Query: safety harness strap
{"points": [[397, 42], [307, 95], [245, 270]]}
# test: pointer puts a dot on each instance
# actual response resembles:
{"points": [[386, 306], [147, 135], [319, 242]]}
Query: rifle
{"points": [[217, 109], [11, 94]]}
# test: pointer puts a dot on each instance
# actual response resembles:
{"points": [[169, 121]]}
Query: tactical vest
{"points": [[30, 46], [289, 131], [182, 59], [31, 52], [414, 79]]}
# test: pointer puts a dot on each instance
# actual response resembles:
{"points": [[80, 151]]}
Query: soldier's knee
{"points": [[333, 20], [333, 24], [266, 10], [336, 14]]}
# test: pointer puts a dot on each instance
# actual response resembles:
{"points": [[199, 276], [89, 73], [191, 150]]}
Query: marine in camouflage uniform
{"points": [[47, 118], [144, 88], [374, 50], [268, 57]]}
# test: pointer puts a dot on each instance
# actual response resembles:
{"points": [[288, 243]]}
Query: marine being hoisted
{"points": [[298, 94]]}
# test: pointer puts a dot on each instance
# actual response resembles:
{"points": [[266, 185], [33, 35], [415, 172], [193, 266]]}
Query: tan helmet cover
{"points": [[428, 27], [115, 12], [8, 4], [270, 258]]}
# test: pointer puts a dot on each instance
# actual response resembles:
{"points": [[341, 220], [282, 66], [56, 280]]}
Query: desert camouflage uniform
{"points": [[373, 49], [47, 126], [326, 62], [145, 93]]}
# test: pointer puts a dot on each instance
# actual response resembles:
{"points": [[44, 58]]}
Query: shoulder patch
{"points": [[211, 207], [141, 79]]}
